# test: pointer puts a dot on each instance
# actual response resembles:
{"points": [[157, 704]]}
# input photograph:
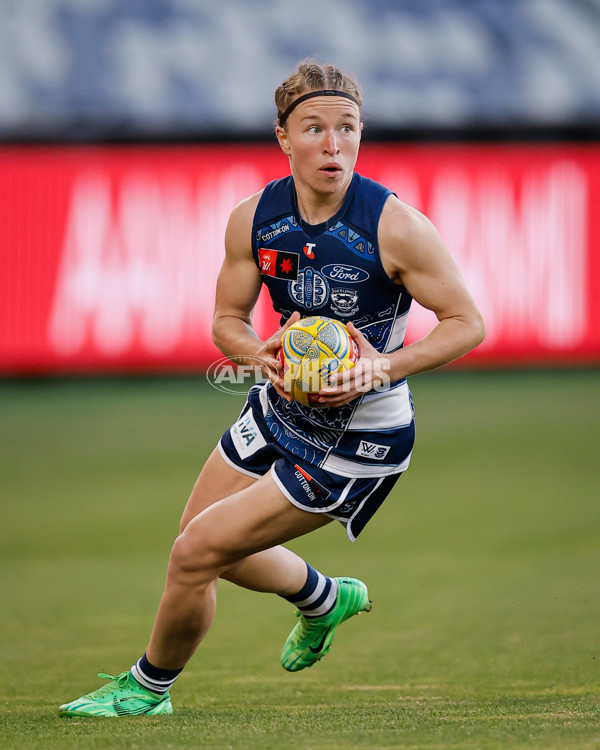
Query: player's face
{"points": [[322, 138]]}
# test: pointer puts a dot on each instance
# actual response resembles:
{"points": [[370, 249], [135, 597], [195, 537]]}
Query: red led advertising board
{"points": [[109, 255]]}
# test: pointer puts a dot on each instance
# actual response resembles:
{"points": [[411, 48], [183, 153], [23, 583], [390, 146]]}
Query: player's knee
{"points": [[195, 555], [183, 523]]}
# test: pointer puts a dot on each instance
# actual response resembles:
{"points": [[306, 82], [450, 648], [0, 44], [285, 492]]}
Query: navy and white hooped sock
{"points": [[152, 678], [318, 595]]}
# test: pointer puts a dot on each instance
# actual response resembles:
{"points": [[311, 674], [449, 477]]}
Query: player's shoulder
{"points": [[246, 208], [402, 223], [239, 227], [274, 194]]}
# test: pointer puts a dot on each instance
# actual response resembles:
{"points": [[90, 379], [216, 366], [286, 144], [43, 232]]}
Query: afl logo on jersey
{"points": [[278, 263], [310, 290], [346, 274]]}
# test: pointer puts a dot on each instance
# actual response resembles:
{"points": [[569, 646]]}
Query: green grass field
{"points": [[484, 568]]}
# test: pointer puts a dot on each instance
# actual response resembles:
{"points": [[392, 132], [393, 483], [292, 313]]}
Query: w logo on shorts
{"points": [[372, 450]]}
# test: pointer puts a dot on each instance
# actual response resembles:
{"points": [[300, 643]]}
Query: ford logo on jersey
{"points": [[345, 273]]}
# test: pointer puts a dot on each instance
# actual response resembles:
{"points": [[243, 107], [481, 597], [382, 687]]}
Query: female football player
{"points": [[326, 241]]}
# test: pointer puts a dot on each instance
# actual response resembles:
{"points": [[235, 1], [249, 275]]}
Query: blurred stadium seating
{"points": [[110, 250], [100, 69]]}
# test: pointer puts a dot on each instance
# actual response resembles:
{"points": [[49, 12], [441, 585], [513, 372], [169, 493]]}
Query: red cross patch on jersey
{"points": [[278, 263]]}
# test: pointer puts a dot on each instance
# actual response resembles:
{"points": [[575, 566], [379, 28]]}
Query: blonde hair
{"points": [[312, 76]]}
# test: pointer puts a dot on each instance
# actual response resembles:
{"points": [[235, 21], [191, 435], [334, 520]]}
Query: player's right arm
{"points": [[238, 285], [238, 288]]}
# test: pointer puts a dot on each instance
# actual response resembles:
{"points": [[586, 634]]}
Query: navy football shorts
{"points": [[351, 501]]}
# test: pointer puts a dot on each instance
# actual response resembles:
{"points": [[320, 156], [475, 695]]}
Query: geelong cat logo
{"points": [[344, 301]]}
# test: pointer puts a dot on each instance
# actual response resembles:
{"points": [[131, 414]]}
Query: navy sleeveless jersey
{"points": [[334, 269]]}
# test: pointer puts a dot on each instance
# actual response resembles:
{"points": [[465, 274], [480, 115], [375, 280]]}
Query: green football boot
{"points": [[311, 639], [123, 696]]}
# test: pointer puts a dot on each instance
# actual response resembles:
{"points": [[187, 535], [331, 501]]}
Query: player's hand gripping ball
{"points": [[312, 349]]}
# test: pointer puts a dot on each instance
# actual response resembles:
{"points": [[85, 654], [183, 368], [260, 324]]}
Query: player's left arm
{"points": [[414, 255]]}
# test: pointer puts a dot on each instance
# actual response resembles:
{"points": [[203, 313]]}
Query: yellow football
{"points": [[312, 349]]}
